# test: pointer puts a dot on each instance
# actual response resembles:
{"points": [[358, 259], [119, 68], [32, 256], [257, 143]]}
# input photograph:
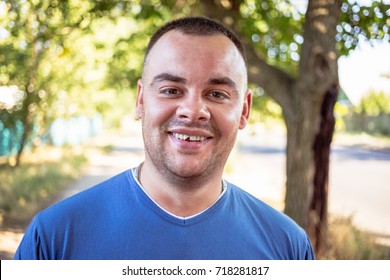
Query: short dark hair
{"points": [[196, 26]]}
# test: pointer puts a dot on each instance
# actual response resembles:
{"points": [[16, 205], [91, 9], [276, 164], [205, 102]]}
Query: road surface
{"points": [[359, 178]]}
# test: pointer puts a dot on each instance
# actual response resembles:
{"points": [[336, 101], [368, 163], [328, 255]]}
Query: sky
{"points": [[363, 69]]}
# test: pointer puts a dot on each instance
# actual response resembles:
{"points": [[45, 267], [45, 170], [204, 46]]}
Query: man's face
{"points": [[192, 100]]}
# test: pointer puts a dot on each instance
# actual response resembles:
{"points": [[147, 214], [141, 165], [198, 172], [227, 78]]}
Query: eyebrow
{"points": [[223, 81], [177, 79], [168, 77]]}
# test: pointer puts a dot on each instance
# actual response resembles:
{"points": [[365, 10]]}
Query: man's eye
{"points": [[217, 95], [170, 91]]}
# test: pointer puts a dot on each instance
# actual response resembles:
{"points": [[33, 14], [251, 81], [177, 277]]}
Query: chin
{"points": [[187, 171]]}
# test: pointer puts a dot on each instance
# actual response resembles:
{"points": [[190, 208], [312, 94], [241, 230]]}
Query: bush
{"points": [[374, 104]]}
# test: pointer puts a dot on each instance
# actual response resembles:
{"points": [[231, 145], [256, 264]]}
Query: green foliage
{"points": [[362, 22], [371, 115], [71, 58], [50, 51], [264, 108], [374, 104], [274, 27], [33, 34]]}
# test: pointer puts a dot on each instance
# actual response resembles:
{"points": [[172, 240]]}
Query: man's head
{"points": [[200, 26], [192, 98]]}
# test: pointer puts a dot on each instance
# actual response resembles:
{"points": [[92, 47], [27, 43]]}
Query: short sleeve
{"points": [[30, 246], [309, 255]]}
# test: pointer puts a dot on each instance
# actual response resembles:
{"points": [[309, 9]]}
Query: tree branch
{"points": [[276, 83]]}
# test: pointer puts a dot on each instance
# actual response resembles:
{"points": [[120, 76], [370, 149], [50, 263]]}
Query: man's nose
{"points": [[193, 108]]}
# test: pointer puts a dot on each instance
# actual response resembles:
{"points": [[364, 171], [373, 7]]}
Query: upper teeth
{"points": [[189, 137]]}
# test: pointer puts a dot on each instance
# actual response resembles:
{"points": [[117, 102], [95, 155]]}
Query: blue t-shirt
{"points": [[118, 220]]}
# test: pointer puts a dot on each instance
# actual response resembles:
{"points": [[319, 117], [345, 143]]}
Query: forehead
{"points": [[195, 55]]}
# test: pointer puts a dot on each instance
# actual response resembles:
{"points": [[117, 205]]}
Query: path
{"points": [[127, 152]]}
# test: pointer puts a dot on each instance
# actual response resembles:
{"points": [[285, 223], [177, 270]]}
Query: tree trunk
{"points": [[32, 98], [321, 148], [27, 126], [301, 99], [318, 74], [301, 130]]}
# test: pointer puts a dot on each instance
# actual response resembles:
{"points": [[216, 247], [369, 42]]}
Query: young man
{"points": [[192, 100]]}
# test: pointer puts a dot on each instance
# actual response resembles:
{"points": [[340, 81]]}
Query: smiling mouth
{"points": [[190, 138]]}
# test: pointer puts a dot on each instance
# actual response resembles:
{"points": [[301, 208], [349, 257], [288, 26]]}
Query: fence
{"points": [[10, 138], [378, 124], [71, 131]]}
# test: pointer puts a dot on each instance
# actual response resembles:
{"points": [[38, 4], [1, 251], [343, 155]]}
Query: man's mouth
{"points": [[189, 138]]}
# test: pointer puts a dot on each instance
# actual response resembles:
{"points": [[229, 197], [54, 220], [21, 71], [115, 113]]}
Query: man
{"points": [[192, 100]]}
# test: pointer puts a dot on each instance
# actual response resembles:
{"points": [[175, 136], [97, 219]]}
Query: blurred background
{"points": [[68, 74]]}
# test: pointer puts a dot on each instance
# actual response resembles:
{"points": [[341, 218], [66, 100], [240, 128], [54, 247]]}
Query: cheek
{"points": [[228, 121], [156, 111]]}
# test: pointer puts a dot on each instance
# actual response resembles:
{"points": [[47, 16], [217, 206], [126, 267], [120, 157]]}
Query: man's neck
{"points": [[182, 196]]}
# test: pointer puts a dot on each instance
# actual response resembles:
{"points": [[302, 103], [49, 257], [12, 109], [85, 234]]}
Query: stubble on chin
{"points": [[180, 171]]}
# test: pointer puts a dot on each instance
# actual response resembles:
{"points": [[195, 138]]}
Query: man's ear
{"points": [[139, 100], [246, 109]]}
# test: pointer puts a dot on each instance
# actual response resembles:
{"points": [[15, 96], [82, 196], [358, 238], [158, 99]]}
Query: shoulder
{"points": [[268, 218], [283, 236], [79, 215], [100, 196], [250, 202]]}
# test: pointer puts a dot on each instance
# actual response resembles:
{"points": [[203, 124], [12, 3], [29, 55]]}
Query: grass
{"points": [[347, 242], [30, 186]]}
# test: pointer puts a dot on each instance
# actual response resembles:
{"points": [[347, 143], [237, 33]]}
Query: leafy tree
{"points": [[47, 50], [292, 49], [292, 54], [33, 33], [374, 104]]}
